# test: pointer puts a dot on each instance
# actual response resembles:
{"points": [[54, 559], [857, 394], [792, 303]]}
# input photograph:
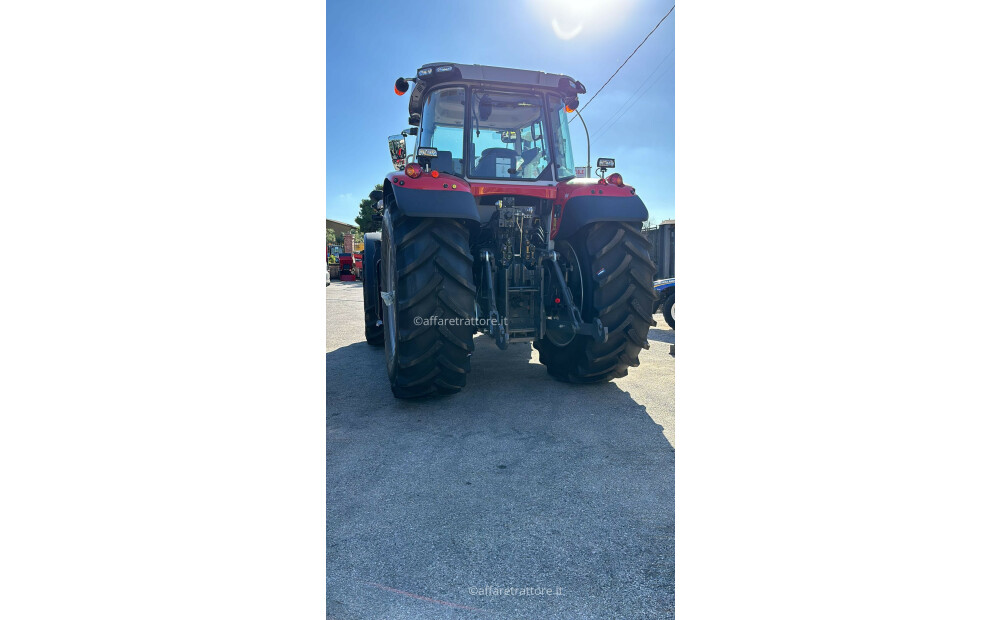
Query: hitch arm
{"points": [[596, 329], [495, 328]]}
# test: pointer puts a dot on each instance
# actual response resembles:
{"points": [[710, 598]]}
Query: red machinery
{"points": [[488, 230], [347, 270]]}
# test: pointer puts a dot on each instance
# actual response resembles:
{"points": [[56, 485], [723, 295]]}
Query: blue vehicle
{"points": [[665, 299]]}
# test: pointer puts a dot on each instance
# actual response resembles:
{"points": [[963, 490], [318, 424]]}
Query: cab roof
{"points": [[437, 72]]}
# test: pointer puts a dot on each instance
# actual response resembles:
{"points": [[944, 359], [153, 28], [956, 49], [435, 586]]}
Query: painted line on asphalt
{"points": [[418, 597]]}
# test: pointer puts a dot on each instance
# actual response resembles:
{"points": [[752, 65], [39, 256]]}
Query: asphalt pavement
{"points": [[519, 497]]}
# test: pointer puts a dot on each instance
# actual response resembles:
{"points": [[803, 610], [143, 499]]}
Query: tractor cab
{"points": [[492, 124]]}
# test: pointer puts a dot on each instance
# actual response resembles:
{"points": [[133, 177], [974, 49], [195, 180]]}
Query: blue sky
{"points": [[632, 120]]}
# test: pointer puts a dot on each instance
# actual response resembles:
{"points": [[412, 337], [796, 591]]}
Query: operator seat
{"points": [[496, 162], [444, 163]]}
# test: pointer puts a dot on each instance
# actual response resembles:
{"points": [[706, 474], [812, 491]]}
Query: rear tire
{"points": [[668, 310], [374, 330], [427, 272], [621, 297]]}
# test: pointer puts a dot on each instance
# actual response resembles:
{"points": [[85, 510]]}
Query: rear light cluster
{"points": [[414, 171], [613, 179]]}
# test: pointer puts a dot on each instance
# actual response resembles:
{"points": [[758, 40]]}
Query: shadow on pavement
{"points": [[518, 481], [346, 283], [664, 334]]}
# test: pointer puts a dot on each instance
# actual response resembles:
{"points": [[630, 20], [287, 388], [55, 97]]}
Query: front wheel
{"points": [[668, 310], [616, 277]]}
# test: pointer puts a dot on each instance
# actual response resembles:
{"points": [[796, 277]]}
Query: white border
{"points": [[162, 178]]}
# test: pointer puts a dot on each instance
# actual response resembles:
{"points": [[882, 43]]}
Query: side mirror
{"points": [[397, 150], [376, 195]]}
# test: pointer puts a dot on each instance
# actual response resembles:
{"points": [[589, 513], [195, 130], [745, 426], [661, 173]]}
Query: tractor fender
{"points": [[582, 210], [446, 196]]}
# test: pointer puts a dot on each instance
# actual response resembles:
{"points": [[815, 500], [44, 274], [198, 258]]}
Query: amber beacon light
{"points": [[401, 86]]}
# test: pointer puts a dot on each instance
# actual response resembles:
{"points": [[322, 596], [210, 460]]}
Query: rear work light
{"points": [[413, 170], [616, 179]]}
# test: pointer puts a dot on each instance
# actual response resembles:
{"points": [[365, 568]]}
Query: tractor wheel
{"points": [[369, 284], [668, 310], [426, 274], [617, 282]]}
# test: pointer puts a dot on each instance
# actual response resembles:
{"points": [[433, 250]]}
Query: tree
{"points": [[334, 238], [365, 212]]}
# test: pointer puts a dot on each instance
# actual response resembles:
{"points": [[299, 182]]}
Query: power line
{"points": [[607, 126], [626, 60], [616, 116]]}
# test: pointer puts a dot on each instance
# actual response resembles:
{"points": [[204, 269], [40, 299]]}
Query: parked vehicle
{"points": [[665, 299], [487, 229], [332, 262], [347, 270]]}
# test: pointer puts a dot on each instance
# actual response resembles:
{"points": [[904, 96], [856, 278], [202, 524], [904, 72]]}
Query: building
{"points": [[662, 238], [340, 227]]}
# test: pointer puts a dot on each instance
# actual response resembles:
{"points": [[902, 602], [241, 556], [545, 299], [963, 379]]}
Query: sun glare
{"points": [[563, 33], [570, 18]]}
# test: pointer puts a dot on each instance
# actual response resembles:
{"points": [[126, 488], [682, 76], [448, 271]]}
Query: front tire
{"points": [[618, 290], [668, 310], [369, 283], [426, 272]]}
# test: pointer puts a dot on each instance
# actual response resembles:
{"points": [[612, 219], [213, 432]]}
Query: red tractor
{"points": [[487, 230]]}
